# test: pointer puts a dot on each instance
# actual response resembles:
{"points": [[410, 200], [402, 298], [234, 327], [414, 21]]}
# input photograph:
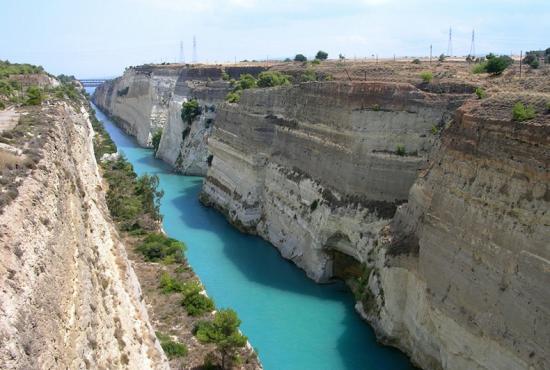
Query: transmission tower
{"points": [[194, 49], [182, 59], [473, 45], [450, 45]]}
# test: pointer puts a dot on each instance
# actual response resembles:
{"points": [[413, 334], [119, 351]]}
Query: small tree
{"points": [[442, 58], [190, 110], [416, 61], [246, 81], [341, 57], [480, 93], [321, 55], [222, 331], [155, 140], [300, 58]]}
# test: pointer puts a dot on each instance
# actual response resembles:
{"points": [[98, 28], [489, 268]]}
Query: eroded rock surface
{"points": [[68, 295]]}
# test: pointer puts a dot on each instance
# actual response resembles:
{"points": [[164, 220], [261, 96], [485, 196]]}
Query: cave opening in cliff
{"points": [[342, 265]]}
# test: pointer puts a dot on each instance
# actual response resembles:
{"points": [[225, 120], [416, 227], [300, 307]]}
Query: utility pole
{"points": [[430, 54], [182, 59], [194, 49]]}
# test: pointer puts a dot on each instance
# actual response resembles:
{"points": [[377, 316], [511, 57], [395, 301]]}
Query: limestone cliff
{"points": [[149, 98], [69, 297], [458, 278]]}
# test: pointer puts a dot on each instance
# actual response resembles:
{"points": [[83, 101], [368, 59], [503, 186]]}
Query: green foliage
{"points": [[496, 65], [103, 143], [190, 110], [196, 303], [442, 58], [272, 78], [246, 81], [315, 62], [66, 89], [321, 55], [233, 96], [2, 105], [426, 76], [308, 75], [171, 348], [133, 202], [434, 130], [341, 57], [400, 150], [416, 61], [225, 76], [168, 284], [313, 206], [7, 69], [35, 96], [223, 331], [480, 68], [155, 140], [480, 93], [300, 58], [522, 113], [157, 247]]}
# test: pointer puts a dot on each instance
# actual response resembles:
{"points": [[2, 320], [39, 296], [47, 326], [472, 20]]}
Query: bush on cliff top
{"points": [[300, 58], [272, 78], [34, 96], [172, 348], [427, 76]]}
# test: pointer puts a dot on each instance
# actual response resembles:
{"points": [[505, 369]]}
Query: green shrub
{"points": [[233, 96], [522, 113], [300, 58], [34, 96], [224, 332], [496, 65], [158, 247], [168, 284], [196, 303], [2, 105], [442, 58], [155, 140], [313, 206], [400, 150], [426, 76], [272, 78], [190, 110], [321, 55], [315, 62], [225, 76], [480, 68], [434, 130], [246, 81], [308, 75], [416, 61], [480, 93], [171, 348]]}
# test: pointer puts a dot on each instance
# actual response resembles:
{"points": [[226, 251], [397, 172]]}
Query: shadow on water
{"points": [[296, 323]]}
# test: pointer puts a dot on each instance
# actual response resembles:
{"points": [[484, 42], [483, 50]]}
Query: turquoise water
{"points": [[291, 321]]}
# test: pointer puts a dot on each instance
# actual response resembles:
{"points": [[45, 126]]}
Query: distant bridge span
{"points": [[92, 82]]}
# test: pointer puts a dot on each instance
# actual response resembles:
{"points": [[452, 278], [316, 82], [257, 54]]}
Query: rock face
{"points": [[320, 167], [458, 276], [476, 293], [69, 297], [149, 98]]}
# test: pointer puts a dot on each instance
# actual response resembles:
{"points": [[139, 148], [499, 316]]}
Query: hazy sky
{"points": [[101, 37]]}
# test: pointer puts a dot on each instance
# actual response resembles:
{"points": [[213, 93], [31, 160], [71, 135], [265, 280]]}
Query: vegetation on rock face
{"points": [[400, 150], [34, 96], [521, 113], [300, 58], [480, 93], [195, 302], [155, 140], [224, 332], [190, 110], [157, 247], [308, 75], [233, 97], [321, 55], [172, 348], [271, 79], [426, 76]]}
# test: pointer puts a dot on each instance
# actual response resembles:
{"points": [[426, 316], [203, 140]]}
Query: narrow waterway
{"points": [[291, 321]]}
